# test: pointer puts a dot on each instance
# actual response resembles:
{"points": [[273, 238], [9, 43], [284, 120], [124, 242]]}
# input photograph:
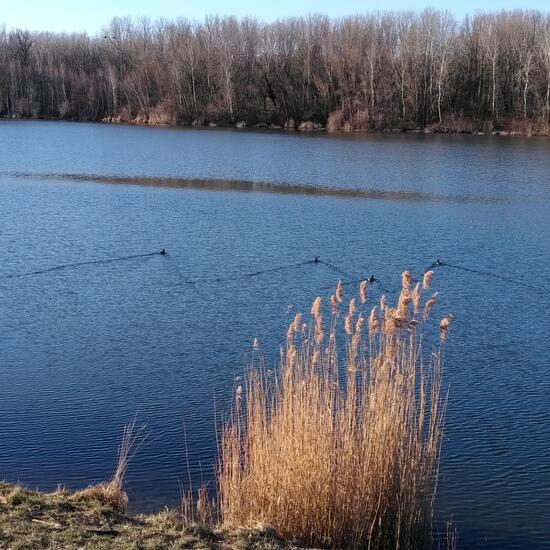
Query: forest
{"points": [[424, 71]]}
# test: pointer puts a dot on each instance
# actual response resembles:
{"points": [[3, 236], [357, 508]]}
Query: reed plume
{"points": [[373, 322], [347, 324], [316, 307], [444, 327], [429, 305], [406, 279], [339, 291], [416, 296], [427, 279], [333, 304], [363, 291]]}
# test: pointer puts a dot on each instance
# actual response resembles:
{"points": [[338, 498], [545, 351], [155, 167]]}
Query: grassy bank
{"points": [[32, 520]]}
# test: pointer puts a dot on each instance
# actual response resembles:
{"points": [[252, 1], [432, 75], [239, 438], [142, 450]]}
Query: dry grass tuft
{"points": [[107, 494], [341, 450], [111, 493]]}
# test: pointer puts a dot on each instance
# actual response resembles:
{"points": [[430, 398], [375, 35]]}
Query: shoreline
{"points": [[509, 129]]}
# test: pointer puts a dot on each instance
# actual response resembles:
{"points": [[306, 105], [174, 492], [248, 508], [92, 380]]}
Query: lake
{"points": [[116, 330]]}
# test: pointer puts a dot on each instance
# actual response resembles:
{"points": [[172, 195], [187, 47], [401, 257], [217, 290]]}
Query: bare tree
{"points": [[544, 51]]}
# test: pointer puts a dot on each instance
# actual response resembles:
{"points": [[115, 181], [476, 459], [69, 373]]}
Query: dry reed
{"points": [[198, 508], [341, 450]]}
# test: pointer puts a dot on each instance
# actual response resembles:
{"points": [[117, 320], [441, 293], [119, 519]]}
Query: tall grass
{"points": [[341, 449]]}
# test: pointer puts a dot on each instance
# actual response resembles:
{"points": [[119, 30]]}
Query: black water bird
{"points": [[316, 260], [163, 252]]}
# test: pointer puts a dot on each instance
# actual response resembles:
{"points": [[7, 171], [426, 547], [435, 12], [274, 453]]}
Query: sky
{"points": [[92, 15]]}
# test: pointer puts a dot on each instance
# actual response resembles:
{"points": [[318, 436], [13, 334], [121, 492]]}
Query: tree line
{"points": [[378, 71]]}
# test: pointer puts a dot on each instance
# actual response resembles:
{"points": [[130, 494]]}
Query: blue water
{"points": [[86, 347]]}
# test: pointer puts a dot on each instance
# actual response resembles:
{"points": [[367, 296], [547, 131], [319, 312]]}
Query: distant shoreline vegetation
{"points": [[404, 71]]}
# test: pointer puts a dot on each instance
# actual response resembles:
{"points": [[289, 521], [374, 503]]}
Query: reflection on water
{"points": [[258, 186], [95, 324]]}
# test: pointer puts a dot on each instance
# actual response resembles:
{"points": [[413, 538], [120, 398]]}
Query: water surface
{"points": [[96, 325]]}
